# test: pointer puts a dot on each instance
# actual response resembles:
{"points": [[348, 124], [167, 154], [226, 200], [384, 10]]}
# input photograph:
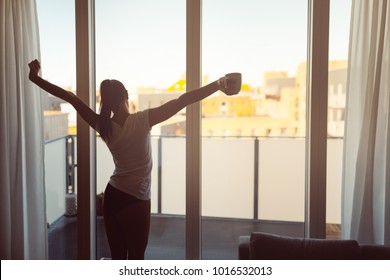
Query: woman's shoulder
{"points": [[141, 117], [141, 113]]}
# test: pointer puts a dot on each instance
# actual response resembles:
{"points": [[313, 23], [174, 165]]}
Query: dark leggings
{"points": [[127, 222]]}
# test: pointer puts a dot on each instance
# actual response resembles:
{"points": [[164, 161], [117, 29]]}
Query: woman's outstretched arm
{"points": [[169, 109], [85, 112]]}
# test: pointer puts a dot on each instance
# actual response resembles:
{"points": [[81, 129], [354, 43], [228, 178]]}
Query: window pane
{"points": [[337, 81], [142, 44], [57, 43], [254, 143]]}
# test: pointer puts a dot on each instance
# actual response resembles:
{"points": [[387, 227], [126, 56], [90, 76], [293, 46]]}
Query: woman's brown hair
{"points": [[112, 93]]}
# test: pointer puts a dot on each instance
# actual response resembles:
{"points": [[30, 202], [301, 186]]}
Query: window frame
{"points": [[316, 140]]}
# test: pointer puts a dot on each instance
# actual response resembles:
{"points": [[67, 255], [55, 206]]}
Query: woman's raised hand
{"points": [[35, 66]]}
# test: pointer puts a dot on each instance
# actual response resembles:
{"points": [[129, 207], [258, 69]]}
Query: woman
{"points": [[127, 195]]}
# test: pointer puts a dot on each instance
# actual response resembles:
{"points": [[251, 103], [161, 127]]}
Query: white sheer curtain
{"points": [[366, 182], [22, 197]]}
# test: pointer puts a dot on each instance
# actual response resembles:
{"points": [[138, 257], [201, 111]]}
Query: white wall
{"points": [[282, 179], [55, 179]]}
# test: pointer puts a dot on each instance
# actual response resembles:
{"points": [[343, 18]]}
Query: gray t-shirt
{"points": [[132, 155]]}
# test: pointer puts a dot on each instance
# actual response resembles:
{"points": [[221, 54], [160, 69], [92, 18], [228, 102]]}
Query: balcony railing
{"points": [[242, 178]]}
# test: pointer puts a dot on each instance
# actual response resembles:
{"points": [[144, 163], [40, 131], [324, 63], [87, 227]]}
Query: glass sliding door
{"points": [[58, 60], [253, 144], [142, 44]]}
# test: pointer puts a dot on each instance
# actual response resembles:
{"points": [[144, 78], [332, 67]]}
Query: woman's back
{"points": [[131, 150]]}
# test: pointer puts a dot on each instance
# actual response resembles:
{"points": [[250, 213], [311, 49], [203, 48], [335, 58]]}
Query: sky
{"points": [[142, 42]]}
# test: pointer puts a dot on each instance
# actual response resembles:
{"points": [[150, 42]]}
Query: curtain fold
{"points": [[23, 233], [366, 177]]}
